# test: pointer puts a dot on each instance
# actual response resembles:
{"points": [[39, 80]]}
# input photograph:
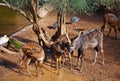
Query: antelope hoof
{"points": [[60, 66], [93, 63], [56, 68], [76, 65], [107, 35], [58, 73], [103, 63], [30, 75], [36, 75], [80, 70], [18, 71], [42, 73]]}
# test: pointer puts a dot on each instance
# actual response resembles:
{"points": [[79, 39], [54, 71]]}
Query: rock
{"points": [[42, 12]]}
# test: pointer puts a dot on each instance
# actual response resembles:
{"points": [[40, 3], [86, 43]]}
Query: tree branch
{"points": [[30, 12], [6, 4], [7, 51]]}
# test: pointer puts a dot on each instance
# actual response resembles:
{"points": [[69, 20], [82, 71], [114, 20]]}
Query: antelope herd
{"points": [[64, 47]]}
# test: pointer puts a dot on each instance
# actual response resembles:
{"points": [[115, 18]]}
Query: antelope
{"points": [[61, 50], [113, 21], [57, 54], [65, 42], [90, 39], [33, 51]]}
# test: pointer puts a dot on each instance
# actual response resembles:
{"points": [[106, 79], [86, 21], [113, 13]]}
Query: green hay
{"points": [[17, 44]]}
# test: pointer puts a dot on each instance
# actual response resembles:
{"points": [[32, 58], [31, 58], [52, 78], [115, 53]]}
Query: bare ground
{"points": [[109, 72]]}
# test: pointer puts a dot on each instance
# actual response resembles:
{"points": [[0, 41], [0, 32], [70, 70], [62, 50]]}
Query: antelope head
{"points": [[74, 43]]}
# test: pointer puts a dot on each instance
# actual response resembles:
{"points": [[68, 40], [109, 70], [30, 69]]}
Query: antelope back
{"points": [[90, 37], [111, 19], [33, 49]]}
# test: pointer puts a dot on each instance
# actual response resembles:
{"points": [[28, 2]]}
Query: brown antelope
{"points": [[61, 50], [57, 54], [33, 51], [113, 21], [64, 41], [90, 39]]}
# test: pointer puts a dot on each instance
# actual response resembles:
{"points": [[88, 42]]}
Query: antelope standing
{"points": [[91, 39], [113, 21], [33, 51]]}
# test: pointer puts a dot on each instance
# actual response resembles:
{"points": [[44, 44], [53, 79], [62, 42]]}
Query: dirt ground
{"points": [[108, 72]]}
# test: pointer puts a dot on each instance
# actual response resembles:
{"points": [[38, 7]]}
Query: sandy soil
{"points": [[109, 72]]}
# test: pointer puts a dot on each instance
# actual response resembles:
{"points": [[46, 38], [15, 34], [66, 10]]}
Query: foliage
{"points": [[22, 3], [92, 5], [17, 44], [17, 3], [72, 6], [108, 2], [58, 4], [77, 6]]}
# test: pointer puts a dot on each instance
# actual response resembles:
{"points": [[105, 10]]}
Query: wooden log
{"points": [[6, 50]]}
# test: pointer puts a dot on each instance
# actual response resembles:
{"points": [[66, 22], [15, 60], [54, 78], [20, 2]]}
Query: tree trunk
{"points": [[41, 39], [63, 24], [61, 18], [30, 12], [6, 50]]}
